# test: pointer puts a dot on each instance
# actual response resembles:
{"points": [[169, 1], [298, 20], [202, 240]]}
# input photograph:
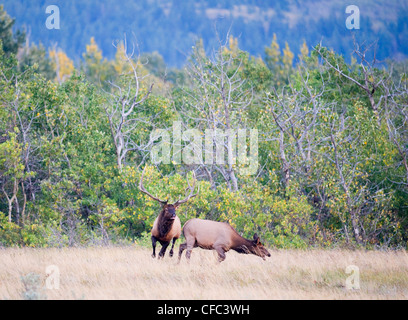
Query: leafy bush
{"points": [[9, 232]]}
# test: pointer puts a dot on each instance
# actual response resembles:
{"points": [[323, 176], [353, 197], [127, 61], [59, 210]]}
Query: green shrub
{"points": [[9, 232]]}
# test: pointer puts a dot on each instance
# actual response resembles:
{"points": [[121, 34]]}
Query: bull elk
{"points": [[218, 236], [167, 226]]}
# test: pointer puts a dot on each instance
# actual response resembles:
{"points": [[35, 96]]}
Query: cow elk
{"points": [[167, 226], [219, 236]]}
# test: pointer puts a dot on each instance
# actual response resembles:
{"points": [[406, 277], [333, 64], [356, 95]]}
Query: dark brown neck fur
{"points": [[164, 224], [240, 244]]}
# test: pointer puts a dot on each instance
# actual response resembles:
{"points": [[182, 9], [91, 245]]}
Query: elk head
{"points": [[258, 249]]}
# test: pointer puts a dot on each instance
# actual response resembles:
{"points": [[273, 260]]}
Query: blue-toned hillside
{"points": [[172, 26]]}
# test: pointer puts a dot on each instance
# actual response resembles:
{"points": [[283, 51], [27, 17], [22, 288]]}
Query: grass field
{"points": [[131, 273]]}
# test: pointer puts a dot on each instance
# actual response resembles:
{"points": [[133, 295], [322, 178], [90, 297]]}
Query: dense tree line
{"points": [[331, 161]]}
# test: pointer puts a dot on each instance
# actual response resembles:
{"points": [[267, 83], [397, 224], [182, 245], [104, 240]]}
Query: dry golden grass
{"points": [[131, 273]]}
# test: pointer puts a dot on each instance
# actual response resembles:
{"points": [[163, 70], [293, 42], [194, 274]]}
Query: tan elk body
{"points": [[219, 236]]}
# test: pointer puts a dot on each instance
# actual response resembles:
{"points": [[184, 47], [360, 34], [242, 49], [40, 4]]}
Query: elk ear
{"points": [[256, 238]]}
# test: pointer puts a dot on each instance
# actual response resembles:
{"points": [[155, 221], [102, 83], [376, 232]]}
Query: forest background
{"points": [[79, 107]]}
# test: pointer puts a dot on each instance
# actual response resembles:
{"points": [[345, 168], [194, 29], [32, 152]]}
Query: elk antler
{"points": [[142, 188], [191, 195]]}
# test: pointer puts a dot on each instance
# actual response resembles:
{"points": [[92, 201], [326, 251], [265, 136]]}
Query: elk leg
{"points": [[221, 253], [188, 253], [154, 240], [189, 248], [172, 247], [190, 244], [183, 246], [164, 244]]}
